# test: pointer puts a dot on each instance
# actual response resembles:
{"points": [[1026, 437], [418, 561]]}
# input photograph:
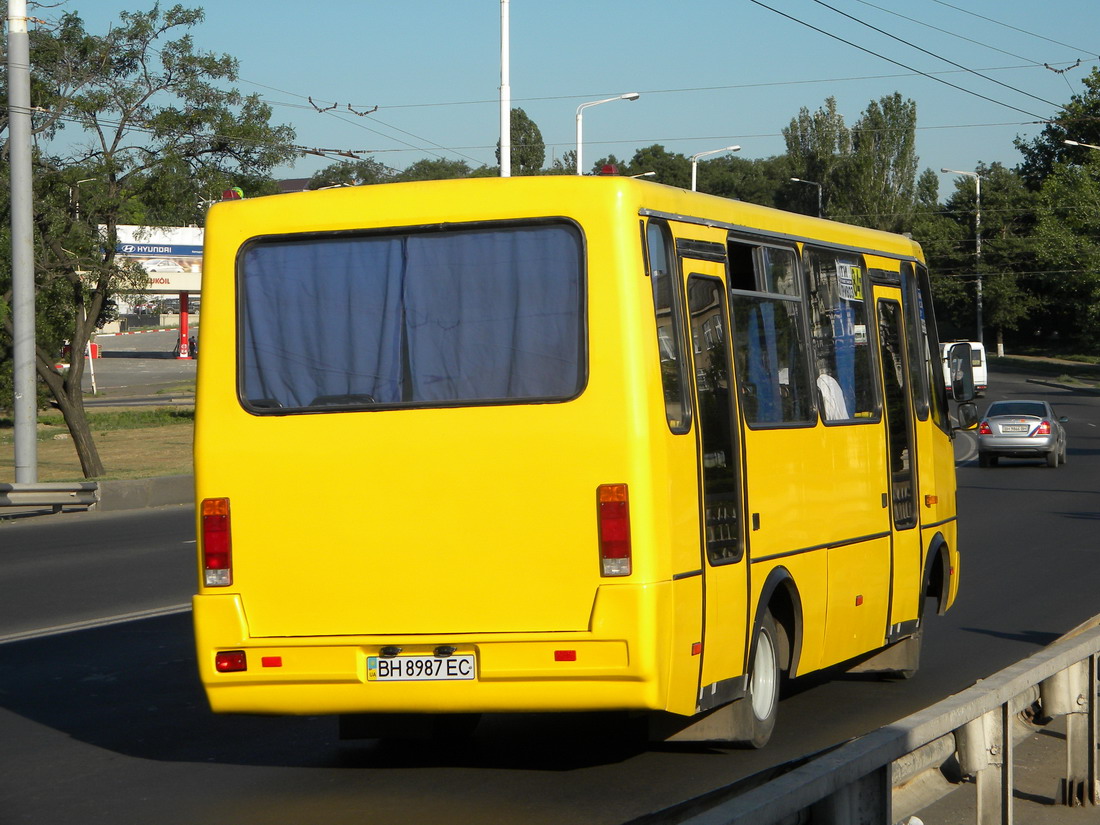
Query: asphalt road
{"points": [[135, 365], [108, 723]]}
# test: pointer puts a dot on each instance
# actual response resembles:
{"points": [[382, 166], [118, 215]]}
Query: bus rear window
{"points": [[432, 318]]}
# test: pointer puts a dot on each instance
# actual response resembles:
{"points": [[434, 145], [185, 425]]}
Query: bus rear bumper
{"points": [[339, 675]]}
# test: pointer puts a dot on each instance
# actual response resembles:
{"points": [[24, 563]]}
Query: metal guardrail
{"points": [[49, 494], [870, 781]]}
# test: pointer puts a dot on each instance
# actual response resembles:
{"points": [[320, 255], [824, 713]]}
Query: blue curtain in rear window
{"points": [[423, 319]]}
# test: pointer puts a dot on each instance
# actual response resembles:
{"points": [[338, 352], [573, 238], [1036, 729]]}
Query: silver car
{"points": [[1021, 429]]}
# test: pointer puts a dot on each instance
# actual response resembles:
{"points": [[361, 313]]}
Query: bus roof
{"points": [[470, 199]]}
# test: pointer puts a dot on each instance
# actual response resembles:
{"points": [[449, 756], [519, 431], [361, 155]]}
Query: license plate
{"points": [[428, 668], [1014, 428]]}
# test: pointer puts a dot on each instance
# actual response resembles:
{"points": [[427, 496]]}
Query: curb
{"points": [[120, 495], [1061, 386], [134, 494]]}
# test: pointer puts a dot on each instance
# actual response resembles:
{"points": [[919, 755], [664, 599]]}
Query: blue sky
{"points": [[710, 72]]}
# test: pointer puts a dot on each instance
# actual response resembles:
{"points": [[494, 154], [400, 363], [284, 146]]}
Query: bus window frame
{"points": [[583, 340], [875, 415], [680, 337], [732, 421], [757, 242]]}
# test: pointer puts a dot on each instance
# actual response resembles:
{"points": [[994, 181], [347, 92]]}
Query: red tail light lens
{"points": [[614, 529], [983, 429], [217, 549], [230, 661], [1042, 429]]}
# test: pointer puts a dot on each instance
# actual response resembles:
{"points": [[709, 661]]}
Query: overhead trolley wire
{"points": [[1014, 28], [1039, 118], [938, 57]]}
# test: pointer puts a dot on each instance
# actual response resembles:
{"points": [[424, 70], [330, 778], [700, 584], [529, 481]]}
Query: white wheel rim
{"points": [[763, 678]]}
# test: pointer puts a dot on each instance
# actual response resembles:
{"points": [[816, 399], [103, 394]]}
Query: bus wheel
{"points": [[761, 703]]}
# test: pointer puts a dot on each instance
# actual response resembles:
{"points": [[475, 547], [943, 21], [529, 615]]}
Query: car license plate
{"points": [[427, 668], [1014, 428]]}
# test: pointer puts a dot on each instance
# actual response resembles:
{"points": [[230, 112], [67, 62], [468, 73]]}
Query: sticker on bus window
{"points": [[850, 281]]}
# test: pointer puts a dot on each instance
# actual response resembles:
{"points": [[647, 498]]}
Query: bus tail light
{"points": [[614, 529], [217, 550], [230, 661]]}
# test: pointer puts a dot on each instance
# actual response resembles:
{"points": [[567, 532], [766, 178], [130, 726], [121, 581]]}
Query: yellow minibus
{"points": [[561, 444]]}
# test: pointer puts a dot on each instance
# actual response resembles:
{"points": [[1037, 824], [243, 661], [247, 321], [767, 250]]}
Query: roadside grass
{"points": [[133, 443]]}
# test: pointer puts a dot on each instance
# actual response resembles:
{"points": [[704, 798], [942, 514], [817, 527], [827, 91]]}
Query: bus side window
{"points": [[772, 362], [916, 333], [839, 331], [742, 271], [670, 327], [769, 343]]}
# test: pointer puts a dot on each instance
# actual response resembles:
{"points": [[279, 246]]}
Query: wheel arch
{"points": [[780, 595], [937, 582]]}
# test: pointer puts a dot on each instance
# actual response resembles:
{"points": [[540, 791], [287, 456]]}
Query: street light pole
{"points": [[74, 196], [812, 183], [581, 108], [977, 239], [695, 160], [505, 94], [24, 391]]}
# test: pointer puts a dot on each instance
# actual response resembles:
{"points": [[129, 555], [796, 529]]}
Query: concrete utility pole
{"points": [[978, 242], [505, 95], [22, 244]]}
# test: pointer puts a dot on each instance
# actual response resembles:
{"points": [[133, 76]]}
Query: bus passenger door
{"points": [[725, 593], [907, 572]]}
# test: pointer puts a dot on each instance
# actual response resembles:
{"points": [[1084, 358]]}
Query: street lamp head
{"points": [[580, 111], [1071, 143], [976, 175]]}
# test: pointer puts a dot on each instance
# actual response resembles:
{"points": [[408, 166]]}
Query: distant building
{"points": [[293, 185]]}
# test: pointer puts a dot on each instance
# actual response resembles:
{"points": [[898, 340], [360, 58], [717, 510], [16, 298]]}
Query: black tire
{"points": [[1052, 458], [760, 706], [1062, 455], [985, 460]]}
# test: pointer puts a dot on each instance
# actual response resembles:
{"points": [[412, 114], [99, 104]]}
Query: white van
{"points": [[977, 359]]}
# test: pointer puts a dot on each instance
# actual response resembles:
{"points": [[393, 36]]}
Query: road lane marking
{"points": [[89, 624]]}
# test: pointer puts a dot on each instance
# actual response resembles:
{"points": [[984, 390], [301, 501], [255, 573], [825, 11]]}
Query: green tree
{"points": [[818, 145], [565, 165], [754, 180], [528, 149], [155, 133], [941, 237], [435, 169], [1007, 220], [351, 173], [1079, 120], [867, 172], [670, 168], [881, 172], [1067, 242]]}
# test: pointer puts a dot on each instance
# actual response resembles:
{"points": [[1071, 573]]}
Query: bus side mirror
{"points": [[961, 370], [967, 415]]}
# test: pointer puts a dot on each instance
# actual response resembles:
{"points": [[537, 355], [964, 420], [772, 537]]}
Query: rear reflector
{"points": [[565, 655], [217, 555], [614, 530], [230, 661]]}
